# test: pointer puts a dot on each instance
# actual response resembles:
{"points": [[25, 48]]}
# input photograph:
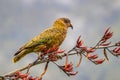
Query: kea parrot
{"points": [[54, 35]]}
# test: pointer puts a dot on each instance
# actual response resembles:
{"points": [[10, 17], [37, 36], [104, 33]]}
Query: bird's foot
{"points": [[40, 56]]}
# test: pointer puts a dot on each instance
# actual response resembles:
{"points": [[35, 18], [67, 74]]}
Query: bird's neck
{"points": [[59, 25], [60, 28]]}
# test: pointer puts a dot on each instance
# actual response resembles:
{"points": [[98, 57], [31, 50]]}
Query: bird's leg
{"points": [[45, 69], [40, 56]]}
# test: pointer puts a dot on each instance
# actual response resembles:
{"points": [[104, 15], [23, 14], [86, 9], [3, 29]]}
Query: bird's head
{"points": [[63, 21]]}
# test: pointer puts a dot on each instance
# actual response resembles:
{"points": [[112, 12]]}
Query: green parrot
{"points": [[54, 35]]}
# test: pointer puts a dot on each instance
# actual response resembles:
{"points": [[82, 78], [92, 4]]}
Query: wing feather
{"points": [[41, 39]]}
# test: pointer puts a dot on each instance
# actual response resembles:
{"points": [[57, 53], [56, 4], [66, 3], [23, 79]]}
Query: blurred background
{"points": [[21, 20]]}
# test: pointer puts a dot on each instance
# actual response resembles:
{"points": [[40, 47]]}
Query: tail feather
{"points": [[15, 59], [17, 52], [19, 55]]}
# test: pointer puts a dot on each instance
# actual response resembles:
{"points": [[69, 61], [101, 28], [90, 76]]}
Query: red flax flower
{"points": [[99, 61], [92, 56], [31, 78], [54, 56], [68, 69], [19, 75], [23, 76], [59, 51], [79, 42], [116, 51], [107, 35], [53, 49], [88, 50], [105, 44], [73, 73]]}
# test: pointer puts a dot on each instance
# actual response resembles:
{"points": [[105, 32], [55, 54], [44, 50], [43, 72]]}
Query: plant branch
{"points": [[46, 59], [77, 49]]}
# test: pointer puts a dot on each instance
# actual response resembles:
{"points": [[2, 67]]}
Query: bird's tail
{"points": [[20, 54]]}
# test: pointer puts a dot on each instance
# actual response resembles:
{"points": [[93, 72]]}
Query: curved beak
{"points": [[70, 25]]}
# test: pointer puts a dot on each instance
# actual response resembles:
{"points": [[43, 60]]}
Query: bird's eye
{"points": [[66, 21]]}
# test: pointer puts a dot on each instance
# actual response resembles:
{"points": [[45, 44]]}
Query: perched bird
{"points": [[54, 35]]}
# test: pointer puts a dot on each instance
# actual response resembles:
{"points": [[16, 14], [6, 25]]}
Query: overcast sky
{"points": [[21, 20]]}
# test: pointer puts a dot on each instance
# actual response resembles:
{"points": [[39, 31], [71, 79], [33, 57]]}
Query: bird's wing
{"points": [[43, 38]]}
